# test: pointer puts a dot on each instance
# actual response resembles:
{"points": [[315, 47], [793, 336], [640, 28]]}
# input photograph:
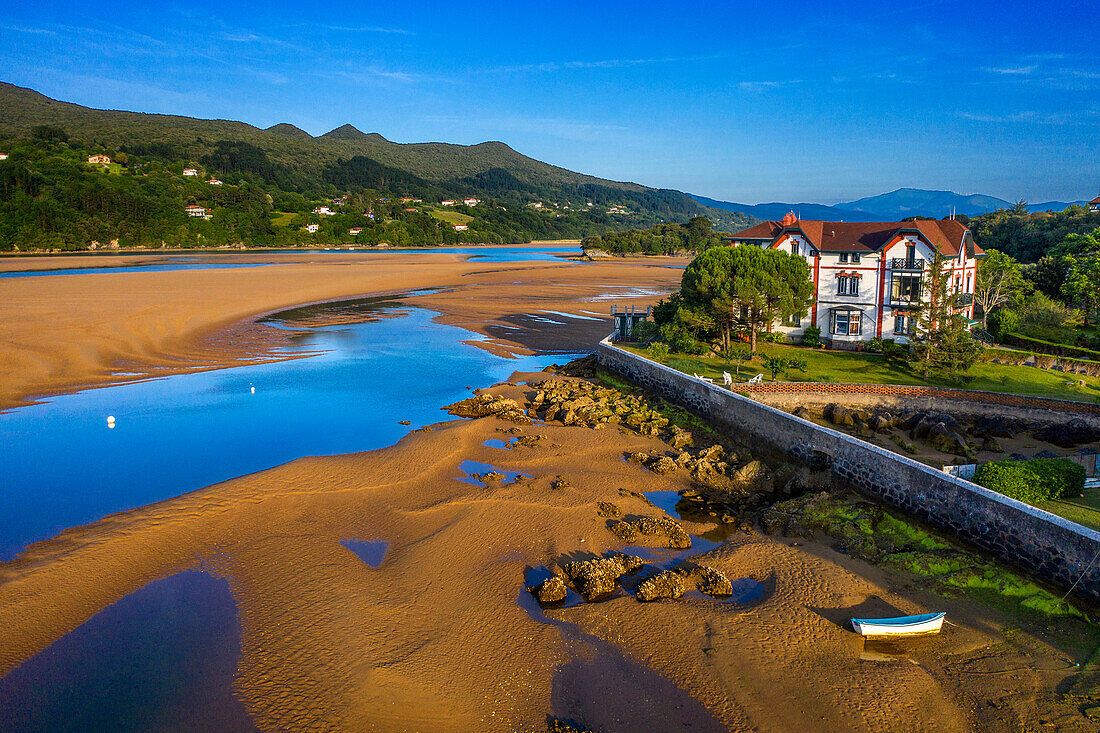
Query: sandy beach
{"points": [[443, 635]]}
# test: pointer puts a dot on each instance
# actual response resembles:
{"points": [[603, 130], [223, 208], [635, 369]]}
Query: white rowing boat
{"points": [[922, 623]]}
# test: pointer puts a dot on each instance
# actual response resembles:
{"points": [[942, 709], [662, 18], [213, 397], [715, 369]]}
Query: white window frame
{"points": [[854, 259], [847, 285], [853, 322], [903, 323]]}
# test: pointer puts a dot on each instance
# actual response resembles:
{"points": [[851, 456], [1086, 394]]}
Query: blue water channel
{"points": [[64, 466], [477, 254]]}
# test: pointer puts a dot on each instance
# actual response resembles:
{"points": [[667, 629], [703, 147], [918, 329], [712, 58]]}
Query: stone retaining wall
{"points": [[1051, 547], [957, 402]]}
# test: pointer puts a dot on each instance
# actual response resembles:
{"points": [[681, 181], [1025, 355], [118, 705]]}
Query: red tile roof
{"points": [[946, 235], [1095, 200]]}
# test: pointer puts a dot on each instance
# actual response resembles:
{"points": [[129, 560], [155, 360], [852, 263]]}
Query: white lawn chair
{"points": [[701, 378], [727, 380], [757, 379]]}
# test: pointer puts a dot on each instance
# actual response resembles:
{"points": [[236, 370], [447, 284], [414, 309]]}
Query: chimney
{"points": [[789, 219]]}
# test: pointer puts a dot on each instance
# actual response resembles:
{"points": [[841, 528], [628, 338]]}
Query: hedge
{"points": [[1049, 347], [1033, 482]]}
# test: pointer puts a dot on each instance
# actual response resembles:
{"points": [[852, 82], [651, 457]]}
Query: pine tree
{"points": [[941, 344]]}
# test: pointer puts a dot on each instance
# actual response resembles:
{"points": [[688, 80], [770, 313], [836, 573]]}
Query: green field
{"points": [[282, 218], [861, 368], [451, 217]]}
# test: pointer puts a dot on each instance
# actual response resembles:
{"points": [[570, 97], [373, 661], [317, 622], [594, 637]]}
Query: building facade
{"points": [[869, 277]]}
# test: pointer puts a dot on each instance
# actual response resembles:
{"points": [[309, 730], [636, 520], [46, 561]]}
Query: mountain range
{"points": [[892, 206], [490, 169]]}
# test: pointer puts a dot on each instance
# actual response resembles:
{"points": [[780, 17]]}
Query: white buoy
{"points": [[110, 421], [253, 390]]}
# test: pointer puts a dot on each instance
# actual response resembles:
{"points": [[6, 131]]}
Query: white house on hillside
{"points": [[214, 182], [324, 211], [447, 203], [1094, 205], [471, 202], [460, 227], [3, 156], [869, 275], [312, 228], [99, 160], [190, 172], [195, 211]]}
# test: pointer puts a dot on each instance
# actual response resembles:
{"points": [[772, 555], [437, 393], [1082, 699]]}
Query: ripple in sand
{"points": [[162, 658]]}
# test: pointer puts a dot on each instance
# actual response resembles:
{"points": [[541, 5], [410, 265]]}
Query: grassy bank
{"points": [[862, 368]]}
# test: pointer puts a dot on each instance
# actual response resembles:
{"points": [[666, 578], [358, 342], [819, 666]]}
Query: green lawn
{"points": [[862, 368], [451, 217], [1084, 511], [282, 218]]}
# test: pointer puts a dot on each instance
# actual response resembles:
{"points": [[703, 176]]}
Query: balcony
{"points": [[901, 263], [963, 300]]}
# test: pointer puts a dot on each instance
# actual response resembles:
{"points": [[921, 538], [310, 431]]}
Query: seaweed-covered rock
{"points": [[678, 538], [607, 509], [662, 465], [595, 579], [803, 412], [712, 582], [668, 584], [754, 476], [485, 405], [624, 531], [679, 438], [550, 590], [947, 441], [560, 483]]}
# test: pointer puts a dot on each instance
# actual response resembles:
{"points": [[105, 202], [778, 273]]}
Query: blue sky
{"points": [[748, 102]]}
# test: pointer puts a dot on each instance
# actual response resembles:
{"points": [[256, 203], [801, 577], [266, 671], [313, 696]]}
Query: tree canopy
{"points": [[745, 288]]}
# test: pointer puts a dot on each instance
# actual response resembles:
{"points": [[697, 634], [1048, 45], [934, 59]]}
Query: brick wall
{"points": [[1051, 547]]}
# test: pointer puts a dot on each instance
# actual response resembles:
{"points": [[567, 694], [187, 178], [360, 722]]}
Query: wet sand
{"points": [[66, 332], [441, 636]]}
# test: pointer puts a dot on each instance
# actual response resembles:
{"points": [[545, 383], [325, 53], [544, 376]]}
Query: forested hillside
{"points": [[273, 181]]}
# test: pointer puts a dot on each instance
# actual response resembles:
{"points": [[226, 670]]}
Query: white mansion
{"points": [[868, 274]]}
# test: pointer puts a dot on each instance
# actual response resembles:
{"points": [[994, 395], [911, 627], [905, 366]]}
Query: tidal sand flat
{"points": [[438, 631]]}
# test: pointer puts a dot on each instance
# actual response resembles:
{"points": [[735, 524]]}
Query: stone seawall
{"points": [[1053, 548]]}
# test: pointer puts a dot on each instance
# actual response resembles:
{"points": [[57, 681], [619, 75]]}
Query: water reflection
{"points": [[162, 658], [372, 552], [183, 432]]}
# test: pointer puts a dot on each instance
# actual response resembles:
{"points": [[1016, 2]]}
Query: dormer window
{"points": [[854, 258], [843, 257]]}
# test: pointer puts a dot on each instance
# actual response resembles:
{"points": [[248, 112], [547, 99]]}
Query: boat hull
{"points": [[927, 623]]}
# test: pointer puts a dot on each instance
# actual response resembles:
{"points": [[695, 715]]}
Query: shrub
{"points": [[811, 336], [1033, 482], [646, 332], [1002, 322], [772, 337], [874, 346], [657, 350]]}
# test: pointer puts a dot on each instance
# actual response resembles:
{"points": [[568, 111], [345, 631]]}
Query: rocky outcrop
{"points": [[1069, 435], [607, 509], [596, 579], [678, 538], [485, 405], [584, 403], [551, 590], [668, 584]]}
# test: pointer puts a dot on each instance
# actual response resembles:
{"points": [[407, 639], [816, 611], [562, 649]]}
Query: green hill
{"points": [[296, 171]]}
